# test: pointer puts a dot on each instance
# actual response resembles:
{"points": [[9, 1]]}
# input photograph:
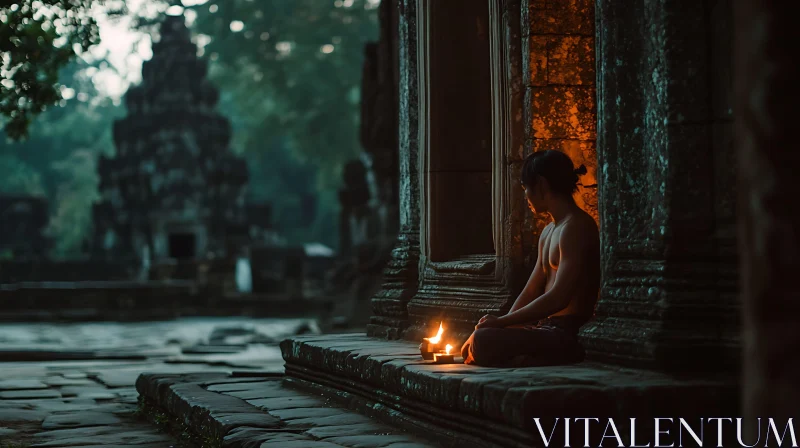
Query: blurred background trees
{"points": [[37, 39], [289, 73]]}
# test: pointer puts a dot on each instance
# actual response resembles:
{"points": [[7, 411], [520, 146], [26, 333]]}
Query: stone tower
{"points": [[174, 188]]}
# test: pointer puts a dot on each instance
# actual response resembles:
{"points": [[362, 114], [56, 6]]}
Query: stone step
{"points": [[222, 410], [481, 406]]}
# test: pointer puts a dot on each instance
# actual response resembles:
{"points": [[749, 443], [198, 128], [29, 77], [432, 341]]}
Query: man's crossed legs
{"points": [[547, 343]]}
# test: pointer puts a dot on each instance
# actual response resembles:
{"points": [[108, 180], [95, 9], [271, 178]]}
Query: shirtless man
{"points": [[541, 327]]}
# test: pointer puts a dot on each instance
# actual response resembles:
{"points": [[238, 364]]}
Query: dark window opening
{"points": [[182, 245], [460, 130]]}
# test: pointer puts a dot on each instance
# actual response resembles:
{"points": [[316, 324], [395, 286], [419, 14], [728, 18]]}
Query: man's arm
{"points": [[573, 246], [536, 282]]}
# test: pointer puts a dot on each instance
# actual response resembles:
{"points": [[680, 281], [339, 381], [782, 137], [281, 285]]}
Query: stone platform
{"points": [[260, 411], [479, 406]]}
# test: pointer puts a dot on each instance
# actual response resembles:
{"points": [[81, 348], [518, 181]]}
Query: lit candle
{"points": [[444, 358], [431, 345]]}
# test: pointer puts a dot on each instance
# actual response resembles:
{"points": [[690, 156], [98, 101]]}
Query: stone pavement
{"points": [[70, 405], [220, 410], [68, 385]]}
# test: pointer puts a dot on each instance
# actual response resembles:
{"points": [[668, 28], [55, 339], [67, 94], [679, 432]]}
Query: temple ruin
{"points": [[640, 93], [174, 189]]}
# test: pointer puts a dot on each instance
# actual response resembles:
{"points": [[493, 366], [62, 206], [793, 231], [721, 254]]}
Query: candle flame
{"points": [[438, 338], [448, 348]]}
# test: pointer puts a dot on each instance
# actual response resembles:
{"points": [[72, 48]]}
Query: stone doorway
{"points": [[483, 84], [182, 246]]}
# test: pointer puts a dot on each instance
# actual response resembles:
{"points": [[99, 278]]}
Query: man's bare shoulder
{"points": [[581, 227]]}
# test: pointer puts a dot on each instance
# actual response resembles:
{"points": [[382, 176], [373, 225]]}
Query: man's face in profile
{"points": [[534, 199]]}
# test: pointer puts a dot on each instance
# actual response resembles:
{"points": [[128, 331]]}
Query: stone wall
{"points": [[560, 87]]}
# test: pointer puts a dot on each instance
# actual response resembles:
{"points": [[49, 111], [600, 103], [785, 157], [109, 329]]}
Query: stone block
{"points": [[248, 437], [567, 112], [337, 419], [77, 420], [244, 419], [373, 441], [562, 17], [324, 432], [268, 404], [271, 389], [570, 60], [424, 382], [29, 394], [537, 60], [21, 415], [289, 415], [301, 443], [21, 385], [470, 394]]}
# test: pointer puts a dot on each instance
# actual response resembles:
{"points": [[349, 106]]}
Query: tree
{"points": [[57, 160], [37, 39], [291, 69], [72, 218]]}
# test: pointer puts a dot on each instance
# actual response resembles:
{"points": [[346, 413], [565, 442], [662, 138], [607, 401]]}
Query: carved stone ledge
{"points": [[478, 406], [459, 293]]}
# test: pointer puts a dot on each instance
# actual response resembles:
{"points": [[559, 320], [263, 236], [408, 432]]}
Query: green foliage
{"points": [[290, 79], [37, 39], [72, 217], [19, 178], [294, 106], [58, 159]]}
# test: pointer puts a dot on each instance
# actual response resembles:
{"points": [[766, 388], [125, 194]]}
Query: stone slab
{"points": [[29, 394], [330, 420], [300, 444], [21, 385], [344, 430], [295, 402], [21, 415], [289, 415], [370, 441], [59, 381], [79, 419], [282, 417], [118, 438]]}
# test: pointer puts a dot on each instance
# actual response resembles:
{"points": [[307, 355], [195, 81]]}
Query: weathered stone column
{"points": [[666, 186], [769, 224], [390, 315]]}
